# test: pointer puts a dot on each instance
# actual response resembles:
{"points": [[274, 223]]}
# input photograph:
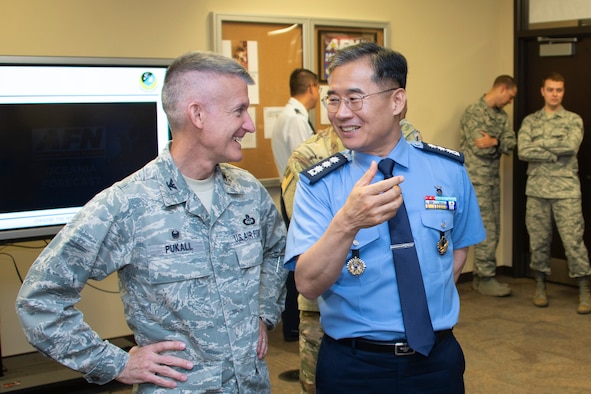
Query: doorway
{"points": [[531, 69]]}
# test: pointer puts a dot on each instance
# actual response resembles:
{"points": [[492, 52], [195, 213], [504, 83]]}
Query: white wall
{"points": [[455, 49]]}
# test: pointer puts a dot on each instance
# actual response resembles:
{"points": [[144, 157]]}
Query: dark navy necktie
{"points": [[413, 300]]}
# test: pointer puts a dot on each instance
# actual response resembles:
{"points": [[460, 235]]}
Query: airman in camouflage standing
{"points": [[485, 135], [549, 141]]}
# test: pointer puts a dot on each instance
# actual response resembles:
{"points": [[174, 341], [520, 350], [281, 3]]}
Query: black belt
{"points": [[398, 347]]}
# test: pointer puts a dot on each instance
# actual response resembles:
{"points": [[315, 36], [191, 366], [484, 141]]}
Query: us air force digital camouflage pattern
{"points": [[483, 165], [184, 275], [550, 144]]}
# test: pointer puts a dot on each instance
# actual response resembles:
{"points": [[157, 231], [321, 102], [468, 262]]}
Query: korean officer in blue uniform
{"points": [[339, 240]]}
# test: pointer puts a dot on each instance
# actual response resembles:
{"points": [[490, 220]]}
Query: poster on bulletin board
{"points": [[247, 54], [269, 52], [329, 42]]}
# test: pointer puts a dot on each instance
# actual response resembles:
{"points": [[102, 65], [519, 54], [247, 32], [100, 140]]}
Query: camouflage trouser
{"points": [[568, 217], [489, 201], [311, 334]]}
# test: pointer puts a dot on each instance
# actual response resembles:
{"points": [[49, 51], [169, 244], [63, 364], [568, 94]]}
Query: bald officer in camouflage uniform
{"points": [[485, 135], [549, 141], [197, 246], [317, 148]]}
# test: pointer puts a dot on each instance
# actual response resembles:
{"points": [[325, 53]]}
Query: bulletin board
{"points": [[279, 50], [271, 47]]}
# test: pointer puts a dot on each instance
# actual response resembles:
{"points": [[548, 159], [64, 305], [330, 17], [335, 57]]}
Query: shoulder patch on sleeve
{"points": [[450, 153], [315, 172], [287, 178]]}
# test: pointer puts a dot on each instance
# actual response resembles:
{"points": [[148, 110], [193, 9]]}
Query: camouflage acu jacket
{"points": [[550, 144], [184, 274], [483, 163]]}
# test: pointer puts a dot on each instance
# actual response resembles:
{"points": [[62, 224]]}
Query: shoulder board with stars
{"points": [[315, 172], [452, 154]]}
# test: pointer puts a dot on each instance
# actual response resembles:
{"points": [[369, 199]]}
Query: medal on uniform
{"points": [[355, 265], [442, 244]]}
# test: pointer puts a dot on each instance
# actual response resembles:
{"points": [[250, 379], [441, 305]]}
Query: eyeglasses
{"points": [[354, 103]]}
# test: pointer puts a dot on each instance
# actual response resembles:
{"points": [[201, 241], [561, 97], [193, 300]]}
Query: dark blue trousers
{"points": [[345, 369]]}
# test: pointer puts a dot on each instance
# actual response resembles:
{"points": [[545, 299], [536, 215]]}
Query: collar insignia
{"points": [[171, 185]]}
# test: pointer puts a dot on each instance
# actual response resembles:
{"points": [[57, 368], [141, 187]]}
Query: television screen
{"points": [[69, 128]]}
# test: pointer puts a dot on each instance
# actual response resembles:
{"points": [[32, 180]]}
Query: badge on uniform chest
{"points": [[439, 201], [445, 203], [442, 244], [355, 265]]}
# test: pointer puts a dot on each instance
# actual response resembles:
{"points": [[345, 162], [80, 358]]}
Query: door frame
{"points": [[522, 34]]}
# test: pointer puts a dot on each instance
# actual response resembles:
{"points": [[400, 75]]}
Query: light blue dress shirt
{"points": [[368, 305]]}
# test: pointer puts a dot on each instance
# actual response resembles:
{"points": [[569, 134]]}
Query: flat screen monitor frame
{"points": [[74, 81]]}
